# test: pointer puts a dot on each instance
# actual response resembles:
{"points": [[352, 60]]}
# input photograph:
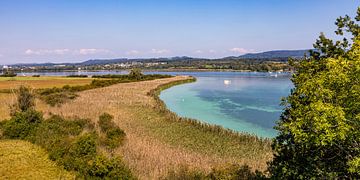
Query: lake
{"points": [[242, 101]]}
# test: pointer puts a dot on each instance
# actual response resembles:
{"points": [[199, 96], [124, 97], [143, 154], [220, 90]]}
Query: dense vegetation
{"points": [[57, 96], [8, 74], [319, 129], [260, 65], [71, 143]]}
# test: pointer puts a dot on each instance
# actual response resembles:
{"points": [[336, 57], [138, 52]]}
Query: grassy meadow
{"points": [[41, 82], [157, 141], [23, 160]]}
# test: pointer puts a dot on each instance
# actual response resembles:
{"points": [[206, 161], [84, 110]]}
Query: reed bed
{"points": [[158, 141]]}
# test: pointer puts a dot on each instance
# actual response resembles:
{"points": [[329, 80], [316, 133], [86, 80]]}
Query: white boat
{"points": [[227, 82]]}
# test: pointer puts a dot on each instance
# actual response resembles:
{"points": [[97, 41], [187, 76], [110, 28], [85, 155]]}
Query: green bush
{"points": [[184, 173], [114, 136], [22, 124], [25, 100], [71, 143], [230, 172], [135, 73], [104, 168], [105, 122], [78, 76], [58, 98]]}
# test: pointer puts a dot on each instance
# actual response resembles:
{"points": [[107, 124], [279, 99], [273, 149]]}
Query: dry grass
{"points": [[23, 160], [155, 144], [41, 82]]}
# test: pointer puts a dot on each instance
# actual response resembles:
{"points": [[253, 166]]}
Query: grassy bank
{"points": [[23, 160]]}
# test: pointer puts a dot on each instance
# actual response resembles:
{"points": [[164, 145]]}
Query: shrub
{"points": [[35, 75], [105, 122], [59, 98], [78, 76], [184, 173], [135, 73], [227, 172], [104, 168], [25, 99], [114, 136], [236, 172], [22, 124], [8, 74]]}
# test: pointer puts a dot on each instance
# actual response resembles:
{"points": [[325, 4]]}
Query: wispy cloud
{"points": [[93, 51], [133, 52], [66, 51], [212, 51], [241, 50], [159, 51], [47, 51], [198, 52]]}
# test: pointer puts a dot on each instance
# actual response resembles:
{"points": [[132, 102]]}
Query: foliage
{"points": [[104, 168], [228, 172], [71, 143], [114, 136], [135, 73], [25, 99], [24, 118], [8, 74], [319, 129], [22, 124], [57, 96], [78, 76]]}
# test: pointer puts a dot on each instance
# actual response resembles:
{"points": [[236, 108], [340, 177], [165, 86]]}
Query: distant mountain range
{"points": [[262, 55], [276, 54]]}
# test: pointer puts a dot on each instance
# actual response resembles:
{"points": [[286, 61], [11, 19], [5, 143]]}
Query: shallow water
{"points": [[245, 102]]}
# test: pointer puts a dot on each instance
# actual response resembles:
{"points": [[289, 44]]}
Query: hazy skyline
{"points": [[73, 31]]}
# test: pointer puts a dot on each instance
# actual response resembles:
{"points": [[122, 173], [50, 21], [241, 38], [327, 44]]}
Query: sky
{"points": [[38, 31]]}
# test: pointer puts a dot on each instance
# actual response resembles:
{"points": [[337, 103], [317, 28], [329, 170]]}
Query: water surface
{"points": [[244, 102]]}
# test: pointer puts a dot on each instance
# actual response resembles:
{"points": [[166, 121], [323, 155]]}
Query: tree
{"points": [[136, 73], [319, 133], [25, 100]]}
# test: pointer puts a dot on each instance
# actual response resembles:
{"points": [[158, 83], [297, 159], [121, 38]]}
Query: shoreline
{"points": [[162, 108], [155, 70]]}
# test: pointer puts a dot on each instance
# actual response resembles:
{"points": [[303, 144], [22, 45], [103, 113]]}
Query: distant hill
{"points": [[276, 54], [282, 54], [103, 61]]}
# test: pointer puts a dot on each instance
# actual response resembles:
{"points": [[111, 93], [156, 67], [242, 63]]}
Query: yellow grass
{"points": [[41, 82], [154, 144], [23, 160]]}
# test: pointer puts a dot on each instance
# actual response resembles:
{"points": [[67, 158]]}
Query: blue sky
{"points": [[77, 30]]}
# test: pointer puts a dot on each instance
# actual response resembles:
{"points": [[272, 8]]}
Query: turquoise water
{"points": [[244, 102]]}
